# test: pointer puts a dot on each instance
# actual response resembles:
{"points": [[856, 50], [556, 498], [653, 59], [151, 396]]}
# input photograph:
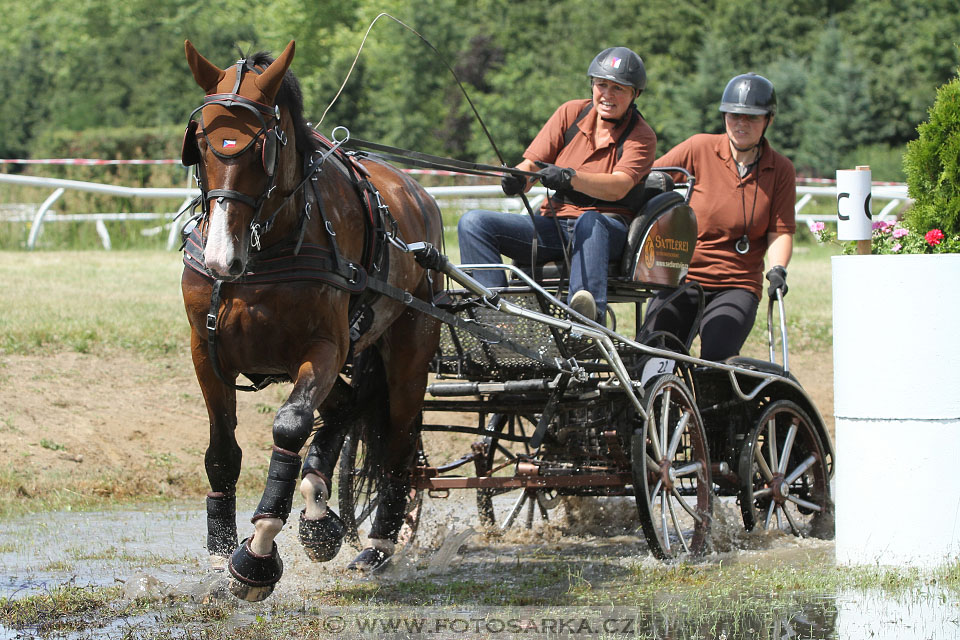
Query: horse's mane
{"points": [[290, 96]]}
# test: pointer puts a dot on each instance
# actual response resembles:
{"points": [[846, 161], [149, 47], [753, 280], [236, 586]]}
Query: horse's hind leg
{"points": [[256, 563], [321, 530], [407, 350]]}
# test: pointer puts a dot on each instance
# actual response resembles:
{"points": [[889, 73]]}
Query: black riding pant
{"points": [[728, 317]]}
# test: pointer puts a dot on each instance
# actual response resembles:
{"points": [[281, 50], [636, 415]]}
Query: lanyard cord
{"points": [[742, 245]]}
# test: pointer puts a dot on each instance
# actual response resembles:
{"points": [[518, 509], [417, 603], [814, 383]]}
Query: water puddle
{"points": [[157, 554]]}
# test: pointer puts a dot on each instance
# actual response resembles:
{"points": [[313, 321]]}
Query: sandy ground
{"points": [[124, 425]]}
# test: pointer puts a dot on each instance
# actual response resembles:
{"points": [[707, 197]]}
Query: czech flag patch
{"points": [[229, 144], [615, 62]]}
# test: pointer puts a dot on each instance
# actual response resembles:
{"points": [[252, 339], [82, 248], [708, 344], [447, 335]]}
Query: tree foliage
{"points": [[849, 76]]}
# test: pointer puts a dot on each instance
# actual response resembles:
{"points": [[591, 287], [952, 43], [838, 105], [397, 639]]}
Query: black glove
{"points": [[778, 280], [512, 185], [554, 177]]}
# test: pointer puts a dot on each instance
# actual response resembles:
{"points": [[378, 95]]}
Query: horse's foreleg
{"points": [[256, 563], [222, 459]]}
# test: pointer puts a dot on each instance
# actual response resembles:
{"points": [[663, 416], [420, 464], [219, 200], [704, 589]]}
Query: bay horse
{"points": [[277, 285]]}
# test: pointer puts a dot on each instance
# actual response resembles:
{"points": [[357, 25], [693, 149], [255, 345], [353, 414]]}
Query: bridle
{"points": [[270, 150]]}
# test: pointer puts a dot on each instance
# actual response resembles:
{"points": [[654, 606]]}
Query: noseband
{"points": [[190, 153]]}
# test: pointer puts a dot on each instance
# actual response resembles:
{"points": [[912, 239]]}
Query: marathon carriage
{"points": [[305, 261], [565, 406]]}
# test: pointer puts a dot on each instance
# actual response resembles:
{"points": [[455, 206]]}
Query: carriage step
{"points": [[452, 389]]}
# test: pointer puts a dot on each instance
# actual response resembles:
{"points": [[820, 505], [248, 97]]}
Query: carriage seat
{"points": [[664, 225]]}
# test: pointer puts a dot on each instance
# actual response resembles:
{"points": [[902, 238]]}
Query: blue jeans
{"points": [[595, 240]]}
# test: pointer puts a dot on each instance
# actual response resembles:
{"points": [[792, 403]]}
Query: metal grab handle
{"points": [[783, 332]]}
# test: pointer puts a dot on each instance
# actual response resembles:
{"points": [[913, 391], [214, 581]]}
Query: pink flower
{"points": [[817, 226], [900, 232], [933, 237], [896, 248]]}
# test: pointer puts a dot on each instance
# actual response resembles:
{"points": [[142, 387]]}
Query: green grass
{"points": [[85, 301]]}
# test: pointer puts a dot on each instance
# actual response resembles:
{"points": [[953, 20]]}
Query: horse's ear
{"points": [[207, 74], [269, 81]]}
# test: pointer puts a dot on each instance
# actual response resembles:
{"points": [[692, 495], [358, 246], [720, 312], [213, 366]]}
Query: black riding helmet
{"points": [[750, 94], [621, 65]]}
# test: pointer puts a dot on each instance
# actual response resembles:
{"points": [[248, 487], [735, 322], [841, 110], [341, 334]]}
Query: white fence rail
{"points": [[460, 197]]}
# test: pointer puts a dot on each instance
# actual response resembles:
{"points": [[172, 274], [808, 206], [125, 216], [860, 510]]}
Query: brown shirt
{"points": [[639, 150], [728, 206]]}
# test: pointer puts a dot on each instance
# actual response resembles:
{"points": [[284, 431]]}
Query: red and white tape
{"points": [[421, 172]]}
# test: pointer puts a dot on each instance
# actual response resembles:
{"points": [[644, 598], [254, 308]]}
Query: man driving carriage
{"points": [[594, 154]]}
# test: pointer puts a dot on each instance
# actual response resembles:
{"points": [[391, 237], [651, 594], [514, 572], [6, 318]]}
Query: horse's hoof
{"points": [[255, 576], [218, 562], [369, 560], [321, 539], [249, 593]]}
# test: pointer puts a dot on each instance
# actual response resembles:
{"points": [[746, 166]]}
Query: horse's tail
{"points": [[373, 400]]}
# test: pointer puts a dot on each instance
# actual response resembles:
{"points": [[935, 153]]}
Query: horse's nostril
{"points": [[236, 267]]}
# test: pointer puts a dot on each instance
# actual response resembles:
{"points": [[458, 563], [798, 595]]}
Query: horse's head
{"points": [[237, 142]]}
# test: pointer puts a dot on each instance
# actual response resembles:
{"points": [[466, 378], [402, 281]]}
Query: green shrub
{"points": [[932, 165]]}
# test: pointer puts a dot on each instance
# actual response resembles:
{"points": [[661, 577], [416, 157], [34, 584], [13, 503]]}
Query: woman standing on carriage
{"points": [[594, 154], [744, 202]]}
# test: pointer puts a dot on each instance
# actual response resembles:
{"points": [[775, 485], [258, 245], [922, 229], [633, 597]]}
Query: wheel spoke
{"points": [[694, 468], [656, 490], [806, 504], [517, 506], [793, 525], [772, 442], [761, 462], [654, 439], [801, 469], [762, 493], [663, 521], [766, 522], [678, 434], [683, 503], [787, 448], [665, 414], [652, 465], [676, 525]]}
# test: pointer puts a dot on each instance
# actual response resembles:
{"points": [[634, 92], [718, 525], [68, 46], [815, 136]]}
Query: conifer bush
{"points": [[932, 165]]}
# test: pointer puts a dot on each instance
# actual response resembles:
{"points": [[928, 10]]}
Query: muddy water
{"points": [[158, 553]]}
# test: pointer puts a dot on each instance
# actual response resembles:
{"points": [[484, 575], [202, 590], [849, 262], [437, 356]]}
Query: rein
{"points": [[427, 161]]}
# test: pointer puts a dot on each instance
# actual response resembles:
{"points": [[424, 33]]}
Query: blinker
{"points": [[190, 151]]}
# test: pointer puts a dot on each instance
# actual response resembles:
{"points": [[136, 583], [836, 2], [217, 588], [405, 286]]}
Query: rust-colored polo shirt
{"points": [[582, 154], [728, 206]]}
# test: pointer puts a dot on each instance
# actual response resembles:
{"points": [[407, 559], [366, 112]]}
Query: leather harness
{"points": [[292, 260]]}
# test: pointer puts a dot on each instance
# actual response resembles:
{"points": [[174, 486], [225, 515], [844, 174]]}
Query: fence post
{"points": [[38, 219]]}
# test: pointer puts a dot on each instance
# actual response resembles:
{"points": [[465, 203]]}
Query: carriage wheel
{"points": [[786, 486], [500, 458], [671, 471], [358, 500]]}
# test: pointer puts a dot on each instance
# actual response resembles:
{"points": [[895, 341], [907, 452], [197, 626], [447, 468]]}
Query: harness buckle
{"points": [[329, 228], [355, 273], [255, 235], [212, 322]]}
